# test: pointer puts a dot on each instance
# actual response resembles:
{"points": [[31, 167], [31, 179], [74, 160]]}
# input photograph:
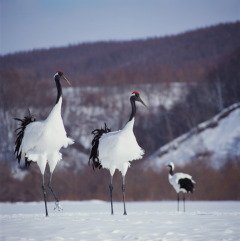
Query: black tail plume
{"points": [[187, 184], [94, 155], [20, 133]]}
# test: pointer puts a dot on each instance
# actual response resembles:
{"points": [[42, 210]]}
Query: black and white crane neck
{"points": [[58, 85], [134, 108], [171, 171], [135, 97], [171, 168]]}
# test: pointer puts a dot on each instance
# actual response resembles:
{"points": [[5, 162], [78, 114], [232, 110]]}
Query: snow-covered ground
{"points": [[219, 137], [91, 220]]}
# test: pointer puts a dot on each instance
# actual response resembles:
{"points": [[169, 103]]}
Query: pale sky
{"points": [[31, 24]]}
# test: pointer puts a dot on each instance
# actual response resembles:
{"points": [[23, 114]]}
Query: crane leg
{"points": [[184, 202], [44, 195], [111, 190], [57, 205], [178, 202], [123, 193]]}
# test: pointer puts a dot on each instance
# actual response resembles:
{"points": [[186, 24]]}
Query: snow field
{"points": [[188, 146], [91, 220]]}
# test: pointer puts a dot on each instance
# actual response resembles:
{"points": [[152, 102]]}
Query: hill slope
{"points": [[217, 138], [173, 58]]}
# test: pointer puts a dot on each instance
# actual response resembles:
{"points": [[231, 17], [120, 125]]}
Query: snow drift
{"points": [[217, 138]]}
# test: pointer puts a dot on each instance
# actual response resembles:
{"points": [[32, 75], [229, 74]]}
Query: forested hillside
{"points": [[173, 58]]}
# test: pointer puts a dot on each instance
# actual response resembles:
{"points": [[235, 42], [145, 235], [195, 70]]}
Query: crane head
{"points": [[136, 97], [171, 165], [60, 74]]}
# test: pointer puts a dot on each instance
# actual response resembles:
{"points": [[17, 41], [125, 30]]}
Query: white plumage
{"points": [[174, 181], [41, 141], [115, 150], [181, 182]]}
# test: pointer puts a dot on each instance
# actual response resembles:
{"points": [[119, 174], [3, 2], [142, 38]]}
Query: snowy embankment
{"points": [[91, 220], [218, 137]]}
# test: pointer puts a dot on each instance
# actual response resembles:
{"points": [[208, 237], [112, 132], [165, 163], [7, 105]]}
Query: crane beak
{"points": [[67, 80], [140, 100]]}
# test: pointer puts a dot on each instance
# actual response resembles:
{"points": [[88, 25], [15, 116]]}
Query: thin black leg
{"points": [[184, 202], [178, 202], [111, 190], [123, 193], [57, 205], [51, 189], [44, 195]]}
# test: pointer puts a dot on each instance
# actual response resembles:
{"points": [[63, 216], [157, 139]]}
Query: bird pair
{"points": [[41, 141]]}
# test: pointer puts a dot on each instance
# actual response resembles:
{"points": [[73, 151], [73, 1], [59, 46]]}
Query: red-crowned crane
{"points": [[41, 141], [115, 150], [181, 182]]}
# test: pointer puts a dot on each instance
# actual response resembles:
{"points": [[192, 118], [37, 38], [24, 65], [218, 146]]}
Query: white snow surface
{"points": [[91, 220], [219, 137]]}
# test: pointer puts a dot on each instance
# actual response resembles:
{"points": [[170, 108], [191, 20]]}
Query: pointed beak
{"points": [[140, 100], [67, 80]]}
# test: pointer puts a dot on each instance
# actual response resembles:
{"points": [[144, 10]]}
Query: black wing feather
{"points": [[20, 134], [186, 184], [94, 155]]}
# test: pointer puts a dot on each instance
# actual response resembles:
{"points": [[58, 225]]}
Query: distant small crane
{"points": [[41, 141], [115, 150], [181, 182]]}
